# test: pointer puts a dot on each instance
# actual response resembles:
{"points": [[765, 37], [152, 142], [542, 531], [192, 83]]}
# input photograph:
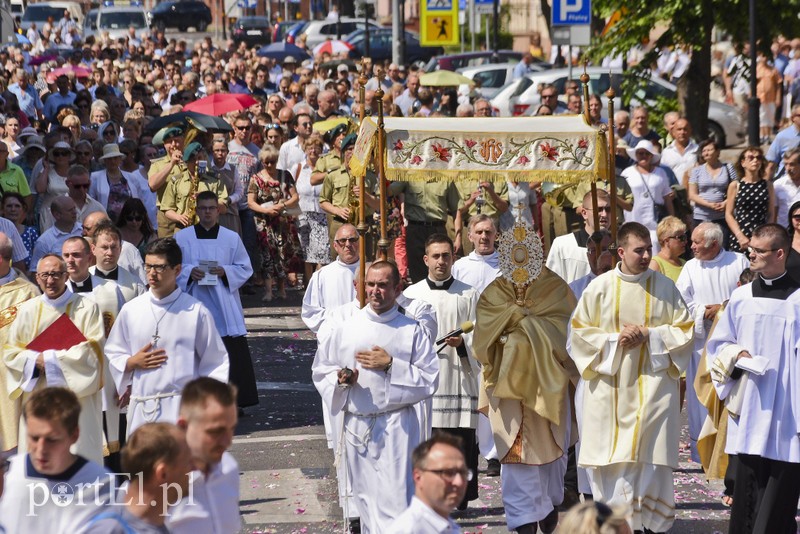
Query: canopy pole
{"points": [[383, 242], [362, 216], [595, 213], [612, 171]]}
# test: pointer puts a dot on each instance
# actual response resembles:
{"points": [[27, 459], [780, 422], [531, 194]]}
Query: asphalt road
{"points": [[287, 484]]}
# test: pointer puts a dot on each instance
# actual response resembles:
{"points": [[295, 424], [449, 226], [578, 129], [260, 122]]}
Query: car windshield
{"points": [[255, 22], [116, 20], [163, 6], [41, 13]]}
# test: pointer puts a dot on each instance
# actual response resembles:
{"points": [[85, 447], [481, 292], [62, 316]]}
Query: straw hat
{"points": [[111, 150]]}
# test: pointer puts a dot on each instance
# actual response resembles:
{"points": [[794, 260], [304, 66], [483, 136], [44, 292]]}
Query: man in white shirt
{"points": [[567, 255], [78, 183], [208, 415], [681, 154], [705, 282], [65, 215], [291, 153], [440, 482], [787, 187]]}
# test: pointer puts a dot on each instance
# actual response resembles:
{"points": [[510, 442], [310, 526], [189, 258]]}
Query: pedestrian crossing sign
{"points": [[439, 23]]}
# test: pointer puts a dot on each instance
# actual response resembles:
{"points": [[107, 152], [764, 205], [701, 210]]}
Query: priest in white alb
{"points": [[375, 368], [455, 403], [215, 266], [705, 282], [631, 337], [162, 340], [57, 340], [752, 357]]}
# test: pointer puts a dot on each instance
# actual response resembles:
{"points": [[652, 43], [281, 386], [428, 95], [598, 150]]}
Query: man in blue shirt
{"points": [[786, 139], [27, 96], [64, 97]]}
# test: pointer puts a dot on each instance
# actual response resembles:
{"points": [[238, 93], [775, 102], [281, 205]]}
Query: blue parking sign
{"points": [[439, 5], [572, 12]]}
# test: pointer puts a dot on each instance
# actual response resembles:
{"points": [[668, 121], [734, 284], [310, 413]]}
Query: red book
{"points": [[61, 335]]}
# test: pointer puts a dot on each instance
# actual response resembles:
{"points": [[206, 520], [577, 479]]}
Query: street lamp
{"points": [[753, 130]]}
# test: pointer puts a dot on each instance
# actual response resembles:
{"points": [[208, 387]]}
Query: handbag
{"points": [[659, 210]]}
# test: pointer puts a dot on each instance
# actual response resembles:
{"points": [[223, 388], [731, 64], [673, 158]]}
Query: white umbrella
{"points": [[333, 47]]}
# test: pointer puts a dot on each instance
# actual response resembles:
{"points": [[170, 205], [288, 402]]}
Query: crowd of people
{"points": [[142, 232]]}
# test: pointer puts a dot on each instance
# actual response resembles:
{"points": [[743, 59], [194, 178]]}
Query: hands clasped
{"points": [[633, 335]]}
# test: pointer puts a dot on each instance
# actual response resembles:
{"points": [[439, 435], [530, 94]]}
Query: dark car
{"points": [[252, 30], [180, 14], [380, 46], [473, 59]]}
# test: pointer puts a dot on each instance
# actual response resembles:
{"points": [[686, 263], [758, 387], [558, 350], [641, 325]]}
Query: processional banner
{"points": [[561, 149]]}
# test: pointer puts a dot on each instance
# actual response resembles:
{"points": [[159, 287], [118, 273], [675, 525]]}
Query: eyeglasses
{"points": [[346, 241], [80, 186], [760, 251], [549, 96], [55, 275], [157, 267], [753, 158], [61, 154], [601, 209], [796, 217], [270, 162], [304, 124], [245, 127], [448, 475], [272, 126], [82, 153], [134, 218], [681, 237]]}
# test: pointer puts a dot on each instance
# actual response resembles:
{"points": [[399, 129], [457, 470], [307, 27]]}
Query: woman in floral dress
{"points": [[273, 198]]}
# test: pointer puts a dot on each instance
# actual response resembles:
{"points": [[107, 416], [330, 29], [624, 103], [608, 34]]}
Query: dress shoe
{"points": [[493, 469]]}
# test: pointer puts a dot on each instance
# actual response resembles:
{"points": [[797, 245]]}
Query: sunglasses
{"points": [[82, 153], [80, 186], [61, 153], [134, 218], [346, 240], [246, 127]]}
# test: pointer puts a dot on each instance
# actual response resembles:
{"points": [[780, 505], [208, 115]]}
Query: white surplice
{"points": [[129, 283], [193, 346], [214, 504], [222, 299], [330, 287], [704, 282], [765, 409], [476, 270], [85, 482], [380, 427], [131, 259], [455, 402], [567, 259], [79, 368]]}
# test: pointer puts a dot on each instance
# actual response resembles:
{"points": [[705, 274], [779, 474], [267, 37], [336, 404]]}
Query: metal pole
{"points": [[569, 55], [383, 242], [595, 213], [487, 32], [612, 172], [397, 30], [473, 28], [286, 10], [366, 29], [362, 216], [339, 21], [496, 35], [753, 125]]}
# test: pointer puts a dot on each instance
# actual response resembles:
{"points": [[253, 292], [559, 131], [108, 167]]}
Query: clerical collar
{"points": [[10, 277], [59, 301], [444, 284], [775, 288], [165, 301], [84, 286], [31, 472], [113, 274], [582, 237], [635, 278], [202, 233]]}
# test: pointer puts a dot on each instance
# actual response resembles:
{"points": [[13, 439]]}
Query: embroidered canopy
{"points": [[561, 149]]}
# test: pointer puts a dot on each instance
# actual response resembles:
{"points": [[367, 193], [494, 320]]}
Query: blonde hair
{"points": [[668, 226], [584, 518]]}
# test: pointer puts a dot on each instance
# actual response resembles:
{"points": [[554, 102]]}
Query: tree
{"points": [[689, 23]]}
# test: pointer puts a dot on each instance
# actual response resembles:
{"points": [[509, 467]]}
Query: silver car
{"points": [[492, 77], [521, 97]]}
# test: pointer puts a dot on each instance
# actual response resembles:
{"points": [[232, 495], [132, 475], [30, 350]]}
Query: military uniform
{"points": [[465, 189], [336, 189], [166, 227], [177, 193], [328, 163], [427, 206]]}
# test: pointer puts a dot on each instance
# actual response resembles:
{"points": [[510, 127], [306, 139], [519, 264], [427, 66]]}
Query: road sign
{"points": [[572, 12], [579, 35], [439, 23]]}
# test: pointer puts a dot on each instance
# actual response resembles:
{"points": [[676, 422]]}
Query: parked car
{"points": [[492, 77], [472, 59], [292, 33], [521, 97], [89, 23], [317, 31], [39, 13], [252, 30], [181, 14], [279, 30], [380, 46], [116, 21]]}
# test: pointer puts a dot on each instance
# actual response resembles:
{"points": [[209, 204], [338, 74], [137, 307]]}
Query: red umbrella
{"points": [[221, 103], [79, 72]]}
